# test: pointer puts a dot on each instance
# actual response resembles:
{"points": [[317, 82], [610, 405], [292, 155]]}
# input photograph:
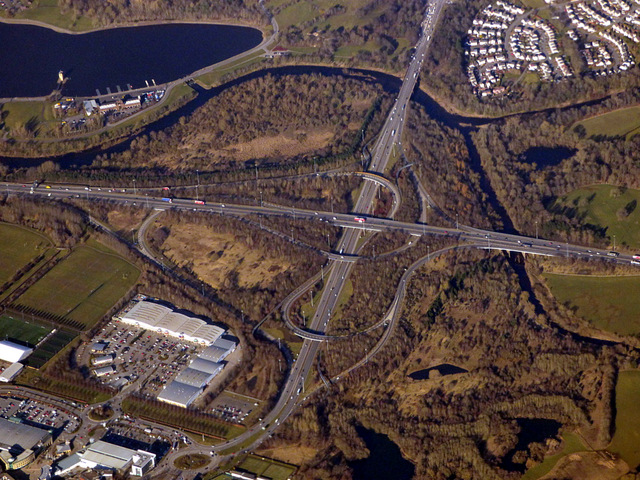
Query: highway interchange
{"points": [[341, 260]]}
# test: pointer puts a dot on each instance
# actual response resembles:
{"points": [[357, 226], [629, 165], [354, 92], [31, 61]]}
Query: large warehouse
{"points": [[19, 443], [190, 382], [12, 352], [156, 317], [102, 455]]}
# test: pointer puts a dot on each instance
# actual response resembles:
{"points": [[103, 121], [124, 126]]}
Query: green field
{"points": [[50, 347], [15, 328], [19, 247], [266, 467], [626, 440], [613, 124], [609, 303], [572, 444], [48, 11], [82, 287], [600, 205]]}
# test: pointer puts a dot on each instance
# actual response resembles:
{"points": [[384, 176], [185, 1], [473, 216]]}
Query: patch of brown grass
{"points": [[125, 221], [215, 256], [294, 454], [588, 466]]}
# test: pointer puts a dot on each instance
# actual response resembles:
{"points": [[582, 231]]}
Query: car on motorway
{"points": [[636, 256], [613, 254]]}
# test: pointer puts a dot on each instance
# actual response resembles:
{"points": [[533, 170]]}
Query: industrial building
{"points": [[11, 372], [219, 350], [102, 455], [20, 443], [12, 352], [179, 394], [191, 381], [162, 319]]}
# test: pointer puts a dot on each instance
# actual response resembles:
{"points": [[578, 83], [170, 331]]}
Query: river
{"points": [[32, 56]]}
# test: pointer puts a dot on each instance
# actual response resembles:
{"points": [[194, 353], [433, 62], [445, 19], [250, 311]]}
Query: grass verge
{"points": [[609, 303], [627, 437]]}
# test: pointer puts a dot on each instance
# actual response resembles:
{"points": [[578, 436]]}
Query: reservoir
{"points": [[32, 56]]}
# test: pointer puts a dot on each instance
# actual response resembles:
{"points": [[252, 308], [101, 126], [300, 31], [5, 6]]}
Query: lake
{"points": [[385, 460], [443, 369], [31, 56]]}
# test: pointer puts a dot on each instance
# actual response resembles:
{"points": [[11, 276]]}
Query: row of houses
{"points": [[532, 45]]}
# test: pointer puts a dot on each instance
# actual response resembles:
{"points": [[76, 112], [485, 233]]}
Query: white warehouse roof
{"points": [[207, 366], [177, 393], [10, 372], [153, 316], [12, 352], [193, 377]]}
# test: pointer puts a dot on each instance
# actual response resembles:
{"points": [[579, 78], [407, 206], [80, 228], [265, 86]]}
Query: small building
{"points": [[90, 106], [103, 360], [280, 51], [102, 371], [11, 372], [99, 347]]}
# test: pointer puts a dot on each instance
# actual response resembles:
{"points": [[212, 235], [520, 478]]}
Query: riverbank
{"points": [[142, 23]]}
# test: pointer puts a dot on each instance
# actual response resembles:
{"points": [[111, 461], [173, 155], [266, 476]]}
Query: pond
{"points": [[443, 369], [531, 430], [385, 460], [547, 156], [32, 56]]}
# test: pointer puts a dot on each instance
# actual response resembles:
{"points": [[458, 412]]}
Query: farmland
{"points": [[627, 436], [609, 303], [618, 123], [608, 207], [82, 287], [19, 247]]}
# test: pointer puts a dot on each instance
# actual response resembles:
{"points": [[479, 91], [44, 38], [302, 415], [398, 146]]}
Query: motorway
{"points": [[341, 261]]}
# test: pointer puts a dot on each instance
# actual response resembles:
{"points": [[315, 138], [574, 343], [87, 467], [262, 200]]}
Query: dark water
{"points": [[30, 56], [385, 460], [531, 430], [547, 156], [389, 83], [444, 369]]}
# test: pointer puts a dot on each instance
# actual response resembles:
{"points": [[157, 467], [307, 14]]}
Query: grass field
{"points": [[572, 444], [83, 287], [613, 124], [50, 347], [609, 303], [14, 328], [599, 205], [266, 467], [214, 77], [627, 437], [48, 11], [19, 247]]}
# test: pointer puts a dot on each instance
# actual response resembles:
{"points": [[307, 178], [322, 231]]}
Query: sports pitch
{"points": [[15, 328], [82, 287], [19, 247]]}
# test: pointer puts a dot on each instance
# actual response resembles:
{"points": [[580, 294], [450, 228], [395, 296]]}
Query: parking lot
{"points": [[138, 354], [38, 413], [233, 408]]}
